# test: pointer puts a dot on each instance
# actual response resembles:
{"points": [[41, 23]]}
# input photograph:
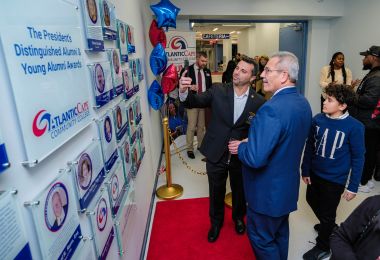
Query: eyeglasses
{"points": [[266, 70]]}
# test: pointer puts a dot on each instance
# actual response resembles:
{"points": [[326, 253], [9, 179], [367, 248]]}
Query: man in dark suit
{"points": [[271, 158], [201, 81], [233, 105], [59, 211]]}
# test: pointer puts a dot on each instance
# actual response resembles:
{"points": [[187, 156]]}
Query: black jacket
{"points": [[191, 74], [221, 127], [368, 95]]}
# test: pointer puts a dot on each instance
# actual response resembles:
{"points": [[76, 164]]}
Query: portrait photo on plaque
{"points": [[131, 121], [14, 244], [133, 67], [139, 69], [102, 83], [131, 39], [125, 151], [121, 119], [89, 173], [128, 84], [102, 224], [136, 159], [140, 137], [107, 12], [93, 25], [56, 219], [137, 110], [122, 42], [117, 74], [108, 139], [117, 186]]}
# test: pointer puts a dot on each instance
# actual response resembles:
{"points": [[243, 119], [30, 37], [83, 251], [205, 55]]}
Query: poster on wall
{"points": [[49, 83], [131, 39], [13, 240], [125, 151], [137, 110], [136, 158], [88, 172], [117, 186], [122, 42], [131, 121], [121, 119], [4, 162], [128, 84], [56, 220], [140, 138], [117, 76], [135, 76], [101, 83], [102, 225], [108, 139], [93, 25], [108, 20], [180, 48]]}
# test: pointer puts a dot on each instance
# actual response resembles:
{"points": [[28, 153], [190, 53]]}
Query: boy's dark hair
{"points": [[344, 94]]}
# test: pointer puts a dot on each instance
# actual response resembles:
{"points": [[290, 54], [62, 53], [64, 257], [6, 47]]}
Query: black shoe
{"points": [[213, 234], [190, 154], [317, 227], [316, 254], [239, 226]]}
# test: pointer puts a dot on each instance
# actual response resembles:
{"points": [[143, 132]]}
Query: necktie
{"points": [[199, 81]]}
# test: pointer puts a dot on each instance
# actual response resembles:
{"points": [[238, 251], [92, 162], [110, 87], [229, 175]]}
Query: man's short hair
{"points": [[344, 94], [201, 53], [250, 60], [289, 62]]}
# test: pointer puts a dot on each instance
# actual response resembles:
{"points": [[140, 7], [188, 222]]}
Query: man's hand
{"points": [[348, 195], [184, 82], [306, 180]]}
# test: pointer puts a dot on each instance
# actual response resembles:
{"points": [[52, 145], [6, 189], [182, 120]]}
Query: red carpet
{"points": [[180, 232]]}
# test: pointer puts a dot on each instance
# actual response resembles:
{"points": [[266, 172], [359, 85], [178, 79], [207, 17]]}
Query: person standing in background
{"points": [[227, 75], [201, 79], [335, 73]]}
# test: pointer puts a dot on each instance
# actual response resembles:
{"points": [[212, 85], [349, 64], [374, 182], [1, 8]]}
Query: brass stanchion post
{"points": [[169, 191]]}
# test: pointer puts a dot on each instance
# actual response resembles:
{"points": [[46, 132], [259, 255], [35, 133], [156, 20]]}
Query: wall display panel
{"points": [[131, 39], [121, 119], [136, 158], [123, 225], [122, 41], [14, 244], [137, 110], [102, 86], [140, 138], [93, 25], [88, 172], [88, 251], [108, 20], [108, 140], [180, 49], [140, 73], [47, 75], [135, 76], [125, 151], [117, 76], [4, 161], [102, 224], [117, 187], [56, 219], [132, 122], [128, 84]]}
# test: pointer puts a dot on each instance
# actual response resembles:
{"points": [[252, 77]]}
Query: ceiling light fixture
{"points": [[192, 25], [237, 25], [232, 32], [215, 29]]}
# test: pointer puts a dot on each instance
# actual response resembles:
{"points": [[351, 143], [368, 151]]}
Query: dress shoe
{"points": [[239, 226], [190, 154], [213, 234]]}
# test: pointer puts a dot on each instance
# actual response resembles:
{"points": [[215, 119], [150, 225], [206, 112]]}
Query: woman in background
{"points": [[227, 75]]}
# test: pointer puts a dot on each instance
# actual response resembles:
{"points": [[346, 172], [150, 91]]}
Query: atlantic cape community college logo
{"points": [[44, 122], [178, 47]]}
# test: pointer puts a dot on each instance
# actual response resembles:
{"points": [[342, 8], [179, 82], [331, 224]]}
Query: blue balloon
{"points": [[155, 96], [158, 59], [166, 13]]}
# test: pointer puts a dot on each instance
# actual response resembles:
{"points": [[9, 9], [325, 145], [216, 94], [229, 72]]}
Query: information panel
{"points": [[13, 242], [48, 78]]}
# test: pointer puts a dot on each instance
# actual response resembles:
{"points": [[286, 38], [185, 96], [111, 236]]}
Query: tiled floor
{"points": [[301, 221]]}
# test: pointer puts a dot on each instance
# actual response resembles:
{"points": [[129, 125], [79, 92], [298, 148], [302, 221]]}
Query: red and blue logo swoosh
{"points": [[41, 122], [178, 43]]}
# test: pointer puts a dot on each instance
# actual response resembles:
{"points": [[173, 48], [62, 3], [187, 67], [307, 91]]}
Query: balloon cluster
{"points": [[166, 14]]}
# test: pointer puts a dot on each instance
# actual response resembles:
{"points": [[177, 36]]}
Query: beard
{"points": [[367, 66]]}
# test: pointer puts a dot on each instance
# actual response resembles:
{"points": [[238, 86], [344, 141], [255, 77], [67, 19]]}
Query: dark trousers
{"points": [[372, 143], [217, 177], [269, 236], [323, 197]]}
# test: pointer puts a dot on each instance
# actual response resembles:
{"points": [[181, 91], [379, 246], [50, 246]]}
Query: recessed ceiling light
{"points": [[238, 32], [192, 25], [215, 29], [232, 32]]}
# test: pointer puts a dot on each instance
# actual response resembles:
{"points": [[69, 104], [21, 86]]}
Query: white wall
{"points": [[267, 38], [30, 181]]}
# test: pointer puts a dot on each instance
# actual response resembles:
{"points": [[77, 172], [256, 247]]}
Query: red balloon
{"points": [[169, 79], [157, 35]]}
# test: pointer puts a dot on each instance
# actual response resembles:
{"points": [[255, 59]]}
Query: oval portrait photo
{"points": [[56, 206], [84, 171]]}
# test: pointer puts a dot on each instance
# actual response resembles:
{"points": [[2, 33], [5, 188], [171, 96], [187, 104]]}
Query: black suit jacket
{"points": [[191, 74], [221, 128]]}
